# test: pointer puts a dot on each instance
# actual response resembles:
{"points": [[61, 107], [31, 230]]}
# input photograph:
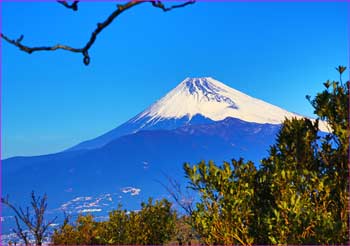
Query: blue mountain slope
{"points": [[136, 160], [135, 124]]}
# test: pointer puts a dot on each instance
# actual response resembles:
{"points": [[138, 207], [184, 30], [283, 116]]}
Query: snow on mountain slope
{"points": [[196, 101], [214, 100]]}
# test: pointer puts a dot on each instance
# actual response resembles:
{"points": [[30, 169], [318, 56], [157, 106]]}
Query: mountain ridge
{"points": [[191, 102]]}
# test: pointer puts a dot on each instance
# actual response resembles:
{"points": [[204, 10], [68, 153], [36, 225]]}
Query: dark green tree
{"points": [[300, 194], [299, 202], [332, 105]]}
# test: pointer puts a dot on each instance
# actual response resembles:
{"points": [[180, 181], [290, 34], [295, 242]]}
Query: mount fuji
{"points": [[200, 119], [195, 101]]}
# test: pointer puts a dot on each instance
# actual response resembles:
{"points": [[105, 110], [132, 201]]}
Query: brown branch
{"points": [[73, 6], [159, 4], [100, 26], [30, 50]]}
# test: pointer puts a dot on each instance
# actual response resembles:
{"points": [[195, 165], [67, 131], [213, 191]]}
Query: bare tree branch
{"points": [[100, 26], [73, 6], [35, 224], [30, 50], [159, 4], [175, 191], [20, 233]]}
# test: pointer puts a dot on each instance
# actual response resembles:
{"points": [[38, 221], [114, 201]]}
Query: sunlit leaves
{"points": [[153, 224], [340, 69], [225, 212]]}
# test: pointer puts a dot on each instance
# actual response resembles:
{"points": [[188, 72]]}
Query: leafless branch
{"points": [[73, 6], [159, 4], [30, 50], [185, 201], [20, 232], [100, 26], [35, 224]]}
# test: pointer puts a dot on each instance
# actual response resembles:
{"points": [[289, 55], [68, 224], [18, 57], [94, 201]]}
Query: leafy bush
{"points": [[153, 224]]}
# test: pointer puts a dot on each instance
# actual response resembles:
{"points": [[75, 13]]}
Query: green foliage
{"points": [[85, 231], [153, 224], [157, 222], [225, 213], [298, 196], [299, 201]]}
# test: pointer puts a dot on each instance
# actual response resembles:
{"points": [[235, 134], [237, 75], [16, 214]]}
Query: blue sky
{"points": [[277, 52]]}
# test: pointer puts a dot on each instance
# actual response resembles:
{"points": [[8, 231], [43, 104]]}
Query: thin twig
{"points": [[159, 4], [175, 191]]}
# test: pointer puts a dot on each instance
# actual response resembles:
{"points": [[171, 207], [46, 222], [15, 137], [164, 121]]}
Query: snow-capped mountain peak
{"points": [[214, 100], [196, 101]]}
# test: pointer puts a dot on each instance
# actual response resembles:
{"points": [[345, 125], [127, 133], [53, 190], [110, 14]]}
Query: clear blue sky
{"points": [[278, 52]]}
